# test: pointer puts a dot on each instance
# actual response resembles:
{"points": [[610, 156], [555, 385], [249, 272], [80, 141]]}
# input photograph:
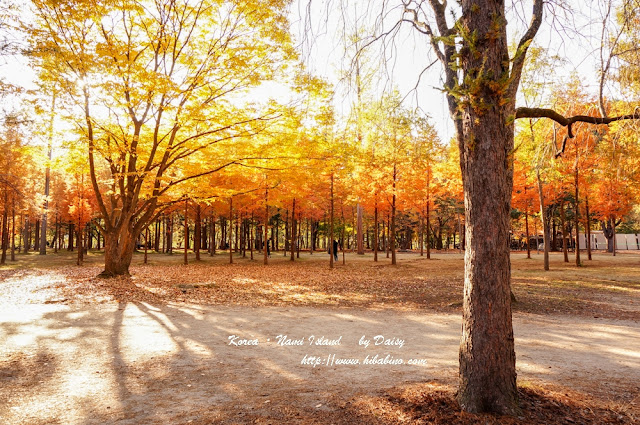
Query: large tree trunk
{"points": [[487, 353], [118, 252], [485, 135]]}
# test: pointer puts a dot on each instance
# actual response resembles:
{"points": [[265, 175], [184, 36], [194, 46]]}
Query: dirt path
{"points": [[138, 363]]}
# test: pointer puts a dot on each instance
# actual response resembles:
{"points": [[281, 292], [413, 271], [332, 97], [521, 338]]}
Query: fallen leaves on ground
{"points": [[433, 403], [415, 284]]}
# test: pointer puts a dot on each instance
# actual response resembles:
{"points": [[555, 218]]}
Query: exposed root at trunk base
{"points": [[506, 406]]}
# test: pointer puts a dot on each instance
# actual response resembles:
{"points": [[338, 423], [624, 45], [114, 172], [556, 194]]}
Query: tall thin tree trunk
{"points": [[71, 236], [172, 232], [80, 234], [230, 229], [563, 224], [266, 226], [388, 238], [421, 235], [236, 237], [526, 225], [245, 236], [392, 232], [344, 260], [299, 239], [428, 224], [331, 227], [546, 226], [613, 229], [286, 233], [360, 235], [204, 232], [5, 225], [197, 232], [213, 235], [251, 241], [36, 239], [21, 233], [577, 214], [146, 244], [587, 226], [186, 231], [535, 231], [375, 226], [164, 234], [13, 227], [293, 230], [47, 179], [156, 236]]}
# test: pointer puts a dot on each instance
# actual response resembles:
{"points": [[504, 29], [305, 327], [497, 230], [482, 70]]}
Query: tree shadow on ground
{"points": [[171, 363]]}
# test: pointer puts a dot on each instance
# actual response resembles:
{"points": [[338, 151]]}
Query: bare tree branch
{"points": [[569, 121], [523, 46]]}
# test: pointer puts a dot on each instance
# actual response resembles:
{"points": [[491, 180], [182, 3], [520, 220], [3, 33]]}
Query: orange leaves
{"points": [[80, 210]]}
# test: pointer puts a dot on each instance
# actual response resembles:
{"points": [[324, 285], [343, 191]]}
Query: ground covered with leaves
{"points": [[604, 288]]}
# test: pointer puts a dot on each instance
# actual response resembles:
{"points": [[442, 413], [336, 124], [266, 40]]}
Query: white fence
{"points": [[623, 241]]}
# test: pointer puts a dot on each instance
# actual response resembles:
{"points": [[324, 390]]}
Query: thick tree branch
{"points": [[569, 121]]}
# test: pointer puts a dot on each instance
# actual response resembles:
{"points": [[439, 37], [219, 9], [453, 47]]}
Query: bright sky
{"points": [[574, 36]]}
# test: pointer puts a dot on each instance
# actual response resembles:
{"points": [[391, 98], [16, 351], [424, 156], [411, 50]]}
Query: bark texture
{"points": [[118, 252], [486, 135]]}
